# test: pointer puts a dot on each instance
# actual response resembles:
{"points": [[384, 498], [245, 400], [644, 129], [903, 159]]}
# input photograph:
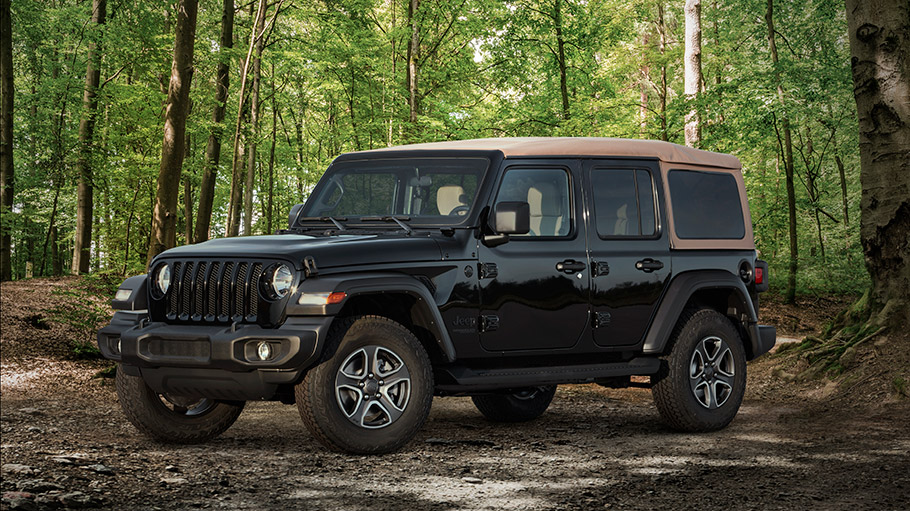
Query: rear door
{"points": [[534, 289], [629, 248]]}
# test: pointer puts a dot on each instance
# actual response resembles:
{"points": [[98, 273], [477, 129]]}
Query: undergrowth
{"points": [[82, 314]]}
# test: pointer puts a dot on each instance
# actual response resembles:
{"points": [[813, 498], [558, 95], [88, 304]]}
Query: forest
{"points": [[268, 92]]}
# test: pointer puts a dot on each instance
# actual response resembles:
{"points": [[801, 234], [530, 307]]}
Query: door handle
{"points": [[570, 266], [648, 265]]}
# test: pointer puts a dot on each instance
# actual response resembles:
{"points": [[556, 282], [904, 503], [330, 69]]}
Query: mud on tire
{"points": [[173, 419], [702, 380]]}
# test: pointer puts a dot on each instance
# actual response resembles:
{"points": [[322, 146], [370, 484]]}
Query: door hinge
{"points": [[489, 323], [601, 268], [488, 270], [601, 319]]}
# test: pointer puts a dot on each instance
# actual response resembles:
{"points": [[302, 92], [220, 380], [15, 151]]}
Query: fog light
{"points": [[118, 346], [264, 351]]}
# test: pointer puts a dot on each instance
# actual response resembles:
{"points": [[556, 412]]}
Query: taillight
{"points": [[759, 275]]}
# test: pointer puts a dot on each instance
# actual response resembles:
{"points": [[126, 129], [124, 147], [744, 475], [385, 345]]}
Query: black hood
{"points": [[328, 251]]}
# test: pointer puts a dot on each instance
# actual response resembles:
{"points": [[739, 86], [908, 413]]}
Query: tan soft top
{"points": [[582, 146]]}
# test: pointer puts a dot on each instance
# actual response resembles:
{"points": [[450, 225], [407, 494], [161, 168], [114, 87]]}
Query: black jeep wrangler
{"points": [[494, 268]]}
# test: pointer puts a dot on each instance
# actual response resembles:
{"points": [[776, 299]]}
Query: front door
{"points": [[534, 289], [629, 247]]}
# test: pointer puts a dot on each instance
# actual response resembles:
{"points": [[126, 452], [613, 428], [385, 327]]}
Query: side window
{"points": [[706, 205], [547, 193], [623, 202]]}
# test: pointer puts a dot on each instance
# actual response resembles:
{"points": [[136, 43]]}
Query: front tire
{"points": [[702, 380], [374, 394], [173, 419], [522, 406]]}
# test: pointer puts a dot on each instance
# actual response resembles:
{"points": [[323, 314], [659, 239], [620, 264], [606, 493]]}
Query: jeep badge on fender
{"points": [[495, 268]]}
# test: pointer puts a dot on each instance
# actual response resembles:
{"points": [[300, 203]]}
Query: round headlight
{"points": [[163, 278], [281, 280]]}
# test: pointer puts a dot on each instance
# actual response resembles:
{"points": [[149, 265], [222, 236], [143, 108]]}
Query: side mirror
{"points": [[512, 218], [508, 218], [294, 214]]}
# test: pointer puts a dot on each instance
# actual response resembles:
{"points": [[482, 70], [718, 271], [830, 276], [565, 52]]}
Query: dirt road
{"points": [[65, 442]]}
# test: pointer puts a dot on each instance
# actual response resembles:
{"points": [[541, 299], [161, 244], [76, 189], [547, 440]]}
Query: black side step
{"points": [[470, 380]]}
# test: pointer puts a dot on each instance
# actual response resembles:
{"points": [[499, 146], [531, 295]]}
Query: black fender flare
{"points": [[378, 284], [678, 293], [138, 299]]}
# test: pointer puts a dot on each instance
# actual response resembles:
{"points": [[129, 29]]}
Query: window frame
{"points": [[570, 183], [739, 199], [399, 196], [658, 223]]}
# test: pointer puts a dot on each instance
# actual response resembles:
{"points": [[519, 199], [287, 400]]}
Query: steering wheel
{"points": [[460, 210]]}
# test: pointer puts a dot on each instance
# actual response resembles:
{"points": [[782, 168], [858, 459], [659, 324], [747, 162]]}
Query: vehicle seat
{"points": [[621, 227], [546, 210], [449, 198]]}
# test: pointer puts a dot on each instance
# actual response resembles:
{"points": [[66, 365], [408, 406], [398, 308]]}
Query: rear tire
{"points": [[374, 394], [173, 419], [516, 407], [702, 380]]}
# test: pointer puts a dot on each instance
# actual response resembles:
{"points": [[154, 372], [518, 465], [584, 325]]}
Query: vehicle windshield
{"points": [[421, 191]]}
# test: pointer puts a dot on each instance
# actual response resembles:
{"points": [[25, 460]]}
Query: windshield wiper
{"points": [[396, 219], [335, 220]]}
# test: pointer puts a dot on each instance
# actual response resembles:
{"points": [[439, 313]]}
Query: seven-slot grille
{"points": [[214, 291]]}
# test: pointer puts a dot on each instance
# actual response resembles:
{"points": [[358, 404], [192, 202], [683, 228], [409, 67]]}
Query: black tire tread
{"points": [[310, 403], [508, 409], [671, 394], [135, 400]]}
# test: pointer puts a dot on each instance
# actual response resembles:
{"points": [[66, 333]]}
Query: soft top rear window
{"points": [[706, 205]]}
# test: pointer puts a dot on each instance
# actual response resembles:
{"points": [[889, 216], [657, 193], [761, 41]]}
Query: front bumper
{"points": [[212, 361]]}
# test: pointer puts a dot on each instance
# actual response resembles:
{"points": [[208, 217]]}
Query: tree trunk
{"points": [[254, 122], [645, 78], [213, 147], [662, 46], [413, 48], [187, 206], [790, 296], [129, 225], [50, 226], [692, 66], [84, 201], [6, 137], [561, 59], [164, 219], [56, 260], [236, 198], [271, 203], [843, 186], [879, 33]]}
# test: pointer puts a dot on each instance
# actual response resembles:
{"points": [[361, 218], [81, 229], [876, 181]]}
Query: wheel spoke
{"points": [[697, 365], [710, 396], [402, 389], [721, 391], [346, 380], [725, 365], [355, 366], [384, 357], [360, 411], [702, 393], [391, 412]]}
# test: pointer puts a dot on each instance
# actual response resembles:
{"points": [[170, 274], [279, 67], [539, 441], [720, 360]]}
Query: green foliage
{"points": [[335, 77], [83, 315], [900, 386]]}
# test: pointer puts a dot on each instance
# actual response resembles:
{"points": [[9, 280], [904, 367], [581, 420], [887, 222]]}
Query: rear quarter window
{"points": [[706, 205]]}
